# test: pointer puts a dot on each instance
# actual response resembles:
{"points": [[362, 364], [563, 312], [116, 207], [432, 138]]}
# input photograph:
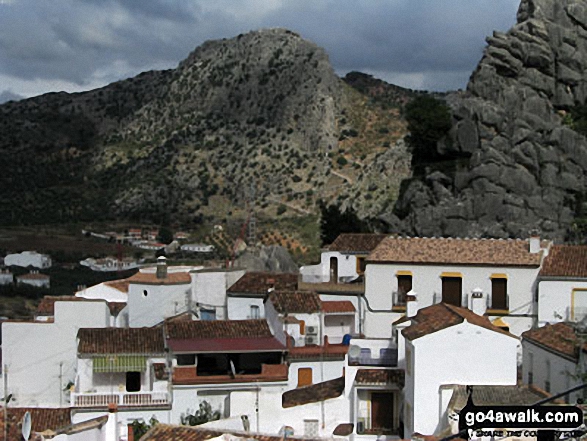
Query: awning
{"points": [[120, 363]]}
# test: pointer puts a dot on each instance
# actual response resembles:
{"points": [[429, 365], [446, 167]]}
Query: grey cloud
{"points": [[7, 95]]}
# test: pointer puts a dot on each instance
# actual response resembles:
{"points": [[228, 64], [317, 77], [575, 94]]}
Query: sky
{"points": [[75, 45]]}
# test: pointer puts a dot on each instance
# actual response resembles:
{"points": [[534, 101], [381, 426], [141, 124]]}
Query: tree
{"points": [[139, 427], [334, 222], [200, 416], [165, 235], [428, 121]]}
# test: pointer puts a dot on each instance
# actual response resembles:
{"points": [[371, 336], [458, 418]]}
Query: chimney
{"points": [[411, 304], [111, 428], [161, 267], [534, 242], [478, 305]]}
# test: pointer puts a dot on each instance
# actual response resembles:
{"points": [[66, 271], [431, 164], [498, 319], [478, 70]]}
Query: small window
{"points": [[207, 314], [452, 290], [133, 381], [361, 265], [530, 368], [547, 379], [145, 293], [255, 312], [186, 359], [404, 286], [304, 377], [499, 296]]}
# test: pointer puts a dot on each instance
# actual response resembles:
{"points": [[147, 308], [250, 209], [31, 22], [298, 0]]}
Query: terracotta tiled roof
{"points": [[180, 278], [344, 429], [260, 282], [295, 302], [329, 352], [41, 418], [120, 341], [33, 276], [47, 304], [313, 393], [565, 261], [333, 306], [356, 243], [441, 316], [120, 285], [559, 338], [380, 377], [207, 329], [165, 432], [422, 250], [517, 395]]}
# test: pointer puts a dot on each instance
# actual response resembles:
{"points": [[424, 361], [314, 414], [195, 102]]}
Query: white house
{"points": [[112, 291], [6, 277], [34, 278], [28, 258], [450, 345], [342, 261], [209, 287], [562, 285], [197, 248], [245, 296], [552, 358], [40, 357], [448, 270], [110, 264]]}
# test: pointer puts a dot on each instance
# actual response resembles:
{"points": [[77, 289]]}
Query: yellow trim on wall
{"points": [[403, 273], [449, 274], [573, 290], [498, 276]]}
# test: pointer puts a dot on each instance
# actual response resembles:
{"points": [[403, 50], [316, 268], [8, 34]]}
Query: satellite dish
{"points": [[26, 425], [354, 351], [232, 369]]}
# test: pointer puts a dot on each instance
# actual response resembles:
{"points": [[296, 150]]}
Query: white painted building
{"points": [[245, 296], [342, 261], [112, 291], [551, 359], [562, 285], [197, 248], [108, 264], [449, 345], [34, 278], [6, 277], [448, 270], [28, 258], [40, 357], [209, 291]]}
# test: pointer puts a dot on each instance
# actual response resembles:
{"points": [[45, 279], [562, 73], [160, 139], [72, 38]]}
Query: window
{"points": [[255, 314], [207, 314], [361, 265], [133, 381], [499, 296], [304, 377], [311, 428], [186, 359], [547, 379], [530, 368], [452, 289], [404, 286]]}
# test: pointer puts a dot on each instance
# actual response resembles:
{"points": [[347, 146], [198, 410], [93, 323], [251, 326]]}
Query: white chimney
{"points": [[534, 242], [411, 304], [161, 267], [111, 427], [478, 304]]}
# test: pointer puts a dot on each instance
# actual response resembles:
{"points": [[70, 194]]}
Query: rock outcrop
{"points": [[511, 165]]}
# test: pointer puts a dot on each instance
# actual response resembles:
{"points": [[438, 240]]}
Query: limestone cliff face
{"points": [[511, 164]]}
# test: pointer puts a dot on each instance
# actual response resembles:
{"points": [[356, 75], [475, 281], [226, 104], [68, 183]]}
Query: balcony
{"points": [[372, 352], [399, 301], [97, 400], [325, 286], [576, 314], [269, 372], [498, 307]]}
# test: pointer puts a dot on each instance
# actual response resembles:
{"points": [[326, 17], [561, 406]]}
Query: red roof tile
{"points": [[313, 393], [356, 243], [180, 278], [380, 377], [422, 250], [165, 432], [41, 419], [334, 306], [565, 261], [33, 276], [260, 282], [120, 341], [559, 338], [441, 316], [295, 302], [120, 285]]}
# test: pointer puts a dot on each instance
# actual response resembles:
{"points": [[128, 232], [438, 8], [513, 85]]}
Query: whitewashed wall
{"points": [[161, 301], [321, 371], [103, 291], [347, 268], [381, 283], [555, 299], [209, 291], [239, 307], [462, 354], [33, 352], [28, 258]]}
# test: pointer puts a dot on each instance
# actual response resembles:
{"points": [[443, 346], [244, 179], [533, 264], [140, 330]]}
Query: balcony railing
{"points": [[499, 305], [269, 372], [576, 314], [130, 399], [387, 357], [399, 300]]}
